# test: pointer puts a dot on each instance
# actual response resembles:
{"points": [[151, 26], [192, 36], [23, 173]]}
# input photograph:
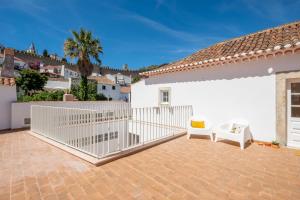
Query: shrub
{"points": [[31, 81], [56, 95], [92, 92]]}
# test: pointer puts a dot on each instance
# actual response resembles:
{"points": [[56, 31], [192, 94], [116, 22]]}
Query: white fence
{"points": [[101, 132]]}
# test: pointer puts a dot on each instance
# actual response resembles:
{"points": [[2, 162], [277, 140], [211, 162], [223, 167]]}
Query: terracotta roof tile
{"points": [[102, 80], [285, 35]]}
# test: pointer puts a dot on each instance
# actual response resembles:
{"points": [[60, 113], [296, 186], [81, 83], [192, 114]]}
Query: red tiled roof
{"points": [[274, 39], [102, 80], [7, 81]]}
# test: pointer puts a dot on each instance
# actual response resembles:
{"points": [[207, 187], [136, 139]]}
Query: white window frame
{"points": [[160, 97]]}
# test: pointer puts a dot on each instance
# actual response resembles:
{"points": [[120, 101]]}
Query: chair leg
{"points": [[242, 144], [188, 136], [211, 137], [216, 138]]}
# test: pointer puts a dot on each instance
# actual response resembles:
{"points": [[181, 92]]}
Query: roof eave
{"points": [[243, 57]]}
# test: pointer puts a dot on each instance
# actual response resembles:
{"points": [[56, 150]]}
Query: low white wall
{"points": [[7, 96], [58, 84], [245, 90], [20, 111]]}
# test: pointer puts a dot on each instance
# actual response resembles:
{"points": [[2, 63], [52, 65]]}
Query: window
{"points": [[113, 87], [103, 87], [26, 121], [295, 100], [164, 95], [106, 136], [101, 137], [111, 135]]}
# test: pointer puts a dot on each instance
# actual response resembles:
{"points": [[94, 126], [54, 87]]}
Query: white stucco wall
{"points": [[245, 90], [125, 97], [7, 96], [20, 111]]}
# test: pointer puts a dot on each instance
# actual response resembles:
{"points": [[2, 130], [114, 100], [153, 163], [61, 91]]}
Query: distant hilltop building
{"points": [[31, 49], [55, 56], [125, 67]]}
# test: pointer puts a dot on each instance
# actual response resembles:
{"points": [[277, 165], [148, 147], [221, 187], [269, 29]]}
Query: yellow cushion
{"points": [[198, 124]]}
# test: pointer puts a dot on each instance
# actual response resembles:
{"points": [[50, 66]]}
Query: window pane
{"points": [[295, 111], [165, 96], [295, 99], [295, 87]]}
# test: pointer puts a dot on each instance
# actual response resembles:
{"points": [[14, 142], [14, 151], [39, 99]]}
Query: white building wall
{"points": [[125, 97], [68, 73], [109, 92], [119, 78], [8, 95], [245, 90]]}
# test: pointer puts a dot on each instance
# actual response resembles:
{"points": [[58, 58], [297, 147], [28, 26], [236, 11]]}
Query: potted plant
{"points": [[275, 144]]}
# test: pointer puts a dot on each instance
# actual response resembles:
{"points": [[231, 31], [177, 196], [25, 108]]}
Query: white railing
{"points": [[102, 132], [91, 105]]}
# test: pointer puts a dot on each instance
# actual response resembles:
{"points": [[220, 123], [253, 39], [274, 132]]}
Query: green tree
{"points": [[31, 81], [91, 92], [45, 53], [136, 79], [84, 47]]}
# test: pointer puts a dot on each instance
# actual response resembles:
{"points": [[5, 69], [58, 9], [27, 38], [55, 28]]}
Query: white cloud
{"points": [[163, 28], [35, 9]]}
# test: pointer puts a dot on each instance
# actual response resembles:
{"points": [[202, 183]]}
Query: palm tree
{"points": [[84, 48]]}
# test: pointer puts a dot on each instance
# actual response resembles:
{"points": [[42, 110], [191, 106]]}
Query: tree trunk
{"points": [[83, 91]]}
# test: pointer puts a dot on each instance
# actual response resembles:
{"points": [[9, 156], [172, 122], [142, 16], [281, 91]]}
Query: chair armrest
{"points": [[224, 126]]}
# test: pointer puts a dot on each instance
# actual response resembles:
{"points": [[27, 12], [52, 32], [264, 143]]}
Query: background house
{"points": [[125, 93], [60, 70], [255, 77], [119, 78], [107, 87]]}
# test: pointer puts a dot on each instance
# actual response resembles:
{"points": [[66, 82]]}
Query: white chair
{"points": [[235, 130], [199, 131]]}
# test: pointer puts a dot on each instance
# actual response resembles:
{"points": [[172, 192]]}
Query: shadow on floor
{"points": [[229, 142], [13, 130]]}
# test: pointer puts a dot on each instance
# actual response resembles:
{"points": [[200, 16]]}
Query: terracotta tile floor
{"points": [[179, 169]]}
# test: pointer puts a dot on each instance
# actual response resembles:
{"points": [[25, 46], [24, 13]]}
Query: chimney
{"points": [[8, 63]]}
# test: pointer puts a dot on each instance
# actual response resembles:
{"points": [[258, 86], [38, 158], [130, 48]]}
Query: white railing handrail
{"points": [[106, 131]]}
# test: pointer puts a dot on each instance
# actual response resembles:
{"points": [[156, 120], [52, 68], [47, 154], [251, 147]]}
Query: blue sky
{"points": [[139, 32]]}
